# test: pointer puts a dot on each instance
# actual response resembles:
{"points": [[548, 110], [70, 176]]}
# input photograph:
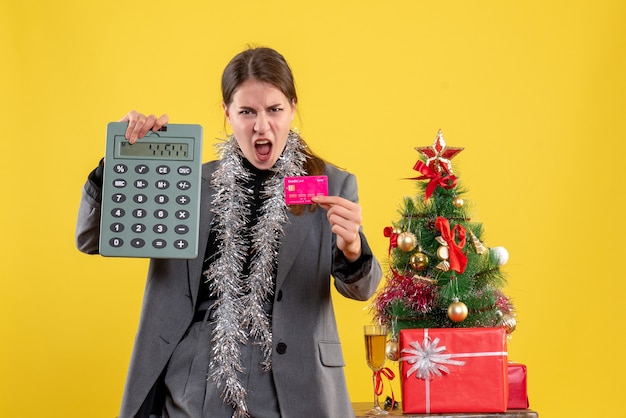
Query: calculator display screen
{"points": [[158, 150]]}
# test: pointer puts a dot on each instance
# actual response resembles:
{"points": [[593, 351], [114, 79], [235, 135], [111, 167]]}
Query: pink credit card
{"points": [[300, 190]]}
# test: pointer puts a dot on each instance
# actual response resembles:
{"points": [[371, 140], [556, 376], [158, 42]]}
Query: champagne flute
{"points": [[375, 342]]}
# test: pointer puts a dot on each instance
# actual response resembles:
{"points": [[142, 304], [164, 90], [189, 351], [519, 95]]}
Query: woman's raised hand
{"points": [[139, 124]]}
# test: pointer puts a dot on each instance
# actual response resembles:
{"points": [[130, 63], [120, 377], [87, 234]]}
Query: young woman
{"points": [[248, 328]]}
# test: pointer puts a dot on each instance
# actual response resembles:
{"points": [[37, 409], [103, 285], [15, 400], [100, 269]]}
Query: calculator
{"points": [[151, 193]]}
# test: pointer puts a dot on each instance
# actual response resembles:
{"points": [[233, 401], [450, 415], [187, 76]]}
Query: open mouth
{"points": [[263, 149]]}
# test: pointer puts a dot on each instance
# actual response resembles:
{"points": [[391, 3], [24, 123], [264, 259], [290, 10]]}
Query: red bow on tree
{"points": [[458, 260], [393, 238], [436, 179]]}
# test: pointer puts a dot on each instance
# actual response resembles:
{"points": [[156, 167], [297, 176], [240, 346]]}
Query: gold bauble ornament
{"points": [[457, 311], [419, 261], [392, 350], [509, 323], [407, 241], [458, 202]]}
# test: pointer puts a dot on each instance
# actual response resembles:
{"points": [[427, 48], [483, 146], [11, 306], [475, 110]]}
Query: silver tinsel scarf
{"points": [[240, 300]]}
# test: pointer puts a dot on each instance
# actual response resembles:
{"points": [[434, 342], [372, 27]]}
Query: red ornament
{"points": [[458, 260], [390, 233], [438, 155], [436, 179]]}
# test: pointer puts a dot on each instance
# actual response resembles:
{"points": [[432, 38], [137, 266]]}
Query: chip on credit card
{"points": [[300, 190]]}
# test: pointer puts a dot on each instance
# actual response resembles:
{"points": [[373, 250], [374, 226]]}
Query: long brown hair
{"points": [[269, 66]]}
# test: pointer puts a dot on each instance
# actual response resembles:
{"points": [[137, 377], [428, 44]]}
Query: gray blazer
{"points": [[308, 367]]}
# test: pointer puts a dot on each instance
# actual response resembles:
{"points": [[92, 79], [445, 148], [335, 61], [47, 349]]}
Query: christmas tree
{"points": [[441, 274]]}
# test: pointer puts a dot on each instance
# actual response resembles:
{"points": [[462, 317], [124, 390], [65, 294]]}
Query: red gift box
{"points": [[453, 370], [518, 392]]}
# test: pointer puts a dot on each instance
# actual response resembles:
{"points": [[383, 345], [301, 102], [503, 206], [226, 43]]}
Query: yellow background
{"points": [[534, 91]]}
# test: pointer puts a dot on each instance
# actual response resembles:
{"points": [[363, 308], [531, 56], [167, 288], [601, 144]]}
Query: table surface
{"points": [[360, 408]]}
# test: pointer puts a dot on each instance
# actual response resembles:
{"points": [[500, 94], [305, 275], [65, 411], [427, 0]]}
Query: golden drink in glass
{"points": [[375, 342]]}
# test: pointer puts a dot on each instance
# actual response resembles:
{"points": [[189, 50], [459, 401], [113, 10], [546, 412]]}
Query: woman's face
{"points": [[260, 116]]}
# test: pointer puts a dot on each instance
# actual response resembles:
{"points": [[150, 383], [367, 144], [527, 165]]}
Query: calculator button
{"points": [[159, 229], [183, 185], [116, 242], [161, 199], [137, 243], [181, 244], [118, 197], [181, 229], [119, 183], [160, 214], [141, 184], [138, 228], [139, 213], [182, 199], [140, 198], [163, 169], [184, 170], [142, 169], [120, 168], [118, 213], [182, 214], [159, 243], [116, 227], [162, 184]]}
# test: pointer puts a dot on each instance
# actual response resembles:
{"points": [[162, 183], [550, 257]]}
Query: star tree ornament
{"points": [[438, 155], [437, 167]]}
